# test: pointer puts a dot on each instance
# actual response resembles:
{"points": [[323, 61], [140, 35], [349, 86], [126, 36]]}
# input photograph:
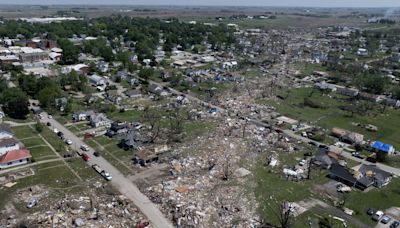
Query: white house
{"points": [[9, 144], [97, 80], [100, 120], [5, 131], [15, 158]]}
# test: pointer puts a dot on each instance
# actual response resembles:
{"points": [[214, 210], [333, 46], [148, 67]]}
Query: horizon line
{"points": [[182, 5]]}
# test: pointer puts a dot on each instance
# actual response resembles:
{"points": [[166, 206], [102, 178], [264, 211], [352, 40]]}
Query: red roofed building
{"points": [[15, 158]]}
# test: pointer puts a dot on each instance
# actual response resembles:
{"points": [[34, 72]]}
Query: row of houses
{"points": [[355, 93], [95, 120], [12, 152], [362, 176]]}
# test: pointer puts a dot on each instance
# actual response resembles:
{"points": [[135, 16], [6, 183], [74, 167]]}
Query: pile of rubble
{"points": [[95, 208]]}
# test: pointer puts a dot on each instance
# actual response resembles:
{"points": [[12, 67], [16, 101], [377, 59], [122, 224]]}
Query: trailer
{"points": [[102, 172]]}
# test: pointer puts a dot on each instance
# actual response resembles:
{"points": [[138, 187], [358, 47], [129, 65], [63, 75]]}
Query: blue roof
{"points": [[382, 146]]}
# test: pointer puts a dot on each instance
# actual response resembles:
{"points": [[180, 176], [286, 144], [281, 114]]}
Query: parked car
{"points": [[84, 148], [302, 162], [50, 116], [60, 134], [371, 211], [377, 216], [55, 130], [357, 155], [68, 142], [31, 203], [323, 146], [395, 224], [385, 219], [106, 175], [85, 157], [97, 154], [48, 124]]}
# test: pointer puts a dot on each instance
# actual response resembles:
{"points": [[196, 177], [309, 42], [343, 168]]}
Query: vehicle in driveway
{"points": [[371, 211], [395, 224], [377, 216], [357, 155], [84, 148], [385, 219], [85, 157]]}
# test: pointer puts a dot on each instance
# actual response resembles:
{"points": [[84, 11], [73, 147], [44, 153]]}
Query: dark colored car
{"points": [[85, 157], [323, 146], [48, 124], [371, 211], [97, 154], [395, 224], [385, 219], [60, 134]]}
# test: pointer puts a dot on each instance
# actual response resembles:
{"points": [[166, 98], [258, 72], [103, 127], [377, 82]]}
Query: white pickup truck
{"points": [[102, 172]]}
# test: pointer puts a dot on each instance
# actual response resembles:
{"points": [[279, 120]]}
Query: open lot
{"points": [[54, 175], [380, 199], [388, 123]]}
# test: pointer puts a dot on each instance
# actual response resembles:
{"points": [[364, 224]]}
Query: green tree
{"points": [[38, 127], [70, 51], [48, 95], [15, 103]]}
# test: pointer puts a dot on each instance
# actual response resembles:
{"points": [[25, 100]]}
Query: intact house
{"points": [[82, 116], [15, 158], [378, 177], [97, 80], [361, 177], [117, 128], [5, 131], [9, 144], [99, 120]]}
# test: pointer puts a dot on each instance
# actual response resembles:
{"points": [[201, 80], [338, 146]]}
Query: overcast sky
{"points": [[306, 3]]}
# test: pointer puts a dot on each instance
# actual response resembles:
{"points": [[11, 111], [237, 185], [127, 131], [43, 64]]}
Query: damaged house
{"points": [[132, 140]]}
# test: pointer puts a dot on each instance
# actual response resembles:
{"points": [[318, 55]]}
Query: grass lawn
{"points": [[308, 69], [271, 185], [380, 199], [129, 116], [29, 142], [53, 175], [84, 171], [196, 128], [42, 153], [22, 132], [53, 139], [388, 123]]}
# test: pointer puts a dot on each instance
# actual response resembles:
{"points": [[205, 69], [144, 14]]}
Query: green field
{"points": [[379, 199], [23, 132], [292, 106]]}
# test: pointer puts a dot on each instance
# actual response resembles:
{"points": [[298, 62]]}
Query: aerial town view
{"points": [[225, 114]]}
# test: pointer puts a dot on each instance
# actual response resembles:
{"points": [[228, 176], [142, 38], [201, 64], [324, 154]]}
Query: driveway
{"points": [[119, 181]]}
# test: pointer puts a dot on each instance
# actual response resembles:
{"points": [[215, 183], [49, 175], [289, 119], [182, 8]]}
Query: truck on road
{"points": [[102, 172]]}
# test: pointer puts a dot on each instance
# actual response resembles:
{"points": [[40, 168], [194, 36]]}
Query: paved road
{"points": [[119, 181]]}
